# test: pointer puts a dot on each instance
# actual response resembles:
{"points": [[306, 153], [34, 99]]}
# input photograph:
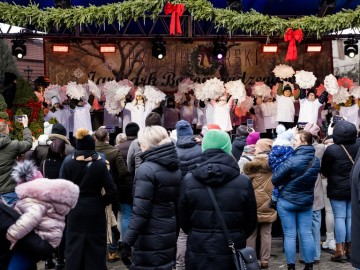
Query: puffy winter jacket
{"points": [[298, 174], [152, 229], [336, 165], [43, 205], [189, 153], [238, 147], [260, 176], [206, 245]]}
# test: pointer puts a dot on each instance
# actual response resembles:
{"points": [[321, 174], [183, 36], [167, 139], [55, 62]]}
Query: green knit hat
{"points": [[217, 139]]}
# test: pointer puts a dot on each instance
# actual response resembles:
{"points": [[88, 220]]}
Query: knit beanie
{"points": [[312, 128], [216, 139], [25, 171], [132, 129], [183, 128], [209, 127], [58, 129], [242, 131], [84, 141], [252, 138], [153, 119], [344, 132], [264, 145]]}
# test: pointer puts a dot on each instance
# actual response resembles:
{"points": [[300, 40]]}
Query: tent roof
{"points": [[270, 7]]}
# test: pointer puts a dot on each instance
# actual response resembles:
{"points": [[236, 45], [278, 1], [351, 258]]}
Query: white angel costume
{"points": [[139, 112], [221, 116], [82, 118]]}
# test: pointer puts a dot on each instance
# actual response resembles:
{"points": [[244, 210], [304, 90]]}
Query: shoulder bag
{"points": [[347, 153], [244, 259]]}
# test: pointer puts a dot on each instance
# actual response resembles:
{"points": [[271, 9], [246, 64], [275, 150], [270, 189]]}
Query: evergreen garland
{"points": [[251, 22]]}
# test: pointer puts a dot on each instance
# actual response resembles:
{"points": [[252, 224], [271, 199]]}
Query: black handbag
{"points": [[244, 259]]}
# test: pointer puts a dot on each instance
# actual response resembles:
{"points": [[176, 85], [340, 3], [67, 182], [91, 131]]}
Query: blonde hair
{"points": [[153, 136], [120, 138]]}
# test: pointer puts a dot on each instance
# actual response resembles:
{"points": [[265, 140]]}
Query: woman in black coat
{"points": [[206, 244], [152, 229], [336, 166], [85, 247]]}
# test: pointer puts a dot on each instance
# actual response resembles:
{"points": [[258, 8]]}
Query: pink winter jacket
{"points": [[43, 205]]}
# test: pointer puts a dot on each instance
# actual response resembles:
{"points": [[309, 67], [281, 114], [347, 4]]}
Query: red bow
{"points": [[176, 11], [35, 107], [292, 36]]}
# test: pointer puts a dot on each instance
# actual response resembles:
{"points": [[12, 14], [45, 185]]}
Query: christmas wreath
{"points": [[199, 69]]}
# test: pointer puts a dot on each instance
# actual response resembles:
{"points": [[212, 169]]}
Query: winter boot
{"points": [[339, 255], [348, 250], [330, 242], [291, 266], [308, 266]]}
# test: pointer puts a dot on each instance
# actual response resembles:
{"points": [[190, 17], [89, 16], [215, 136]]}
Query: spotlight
{"points": [[220, 49], [159, 49], [18, 48], [351, 48], [235, 5]]}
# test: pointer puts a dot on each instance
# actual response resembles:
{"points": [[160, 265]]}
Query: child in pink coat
{"points": [[43, 204]]}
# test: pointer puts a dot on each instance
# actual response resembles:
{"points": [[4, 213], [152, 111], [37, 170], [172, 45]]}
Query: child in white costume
{"points": [[188, 109], [82, 118], [139, 108], [285, 105], [310, 105], [61, 113], [222, 113], [269, 110]]}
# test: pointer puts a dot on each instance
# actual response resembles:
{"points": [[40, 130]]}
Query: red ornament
{"points": [[176, 11], [292, 36]]}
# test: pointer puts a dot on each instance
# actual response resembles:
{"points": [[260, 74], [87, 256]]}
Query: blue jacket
{"points": [[298, 180]]}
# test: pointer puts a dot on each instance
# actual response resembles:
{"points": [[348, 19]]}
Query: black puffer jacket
{"points": [[336, 165], [206, 244], [189, 153], [152, 229], [238, 147]]}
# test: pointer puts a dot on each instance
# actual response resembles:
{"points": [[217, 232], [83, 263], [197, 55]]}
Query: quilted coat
{"points": [[43, 206], [260, 176], [152, 229], [206, 244], [298, 174]]}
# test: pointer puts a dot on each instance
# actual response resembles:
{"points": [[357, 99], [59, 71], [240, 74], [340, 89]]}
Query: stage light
{"points": [[18, 48], [269, 48], [109, 48], [60, 48], [159, 49], [220, 49], [351, 48], [313, 48]]}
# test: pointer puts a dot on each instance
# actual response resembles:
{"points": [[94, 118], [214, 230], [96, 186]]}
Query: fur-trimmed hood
{"points": [[54, 191], [259, 164]]}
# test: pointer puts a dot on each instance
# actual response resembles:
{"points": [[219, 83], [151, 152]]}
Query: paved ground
{"points": [[277, 260]]}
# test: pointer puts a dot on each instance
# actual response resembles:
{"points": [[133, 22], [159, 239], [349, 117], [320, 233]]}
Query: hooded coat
{"points": [[206, 244], [43, 206], [189, 153], [238, 146], [355, 214], [10, 150], [152, 229], [298, 175], [336, 165], [85, 246], [260, 176]]}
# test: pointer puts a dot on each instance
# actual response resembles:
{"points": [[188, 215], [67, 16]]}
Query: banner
{"points": [[133, 60]]}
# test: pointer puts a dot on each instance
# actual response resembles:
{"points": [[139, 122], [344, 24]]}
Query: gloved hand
{"points": [[125, 254]]}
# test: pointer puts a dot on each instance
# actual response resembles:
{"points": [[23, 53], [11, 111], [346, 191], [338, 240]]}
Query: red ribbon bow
{"points": [[35, 107], [292, 36], [176, 11]]}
